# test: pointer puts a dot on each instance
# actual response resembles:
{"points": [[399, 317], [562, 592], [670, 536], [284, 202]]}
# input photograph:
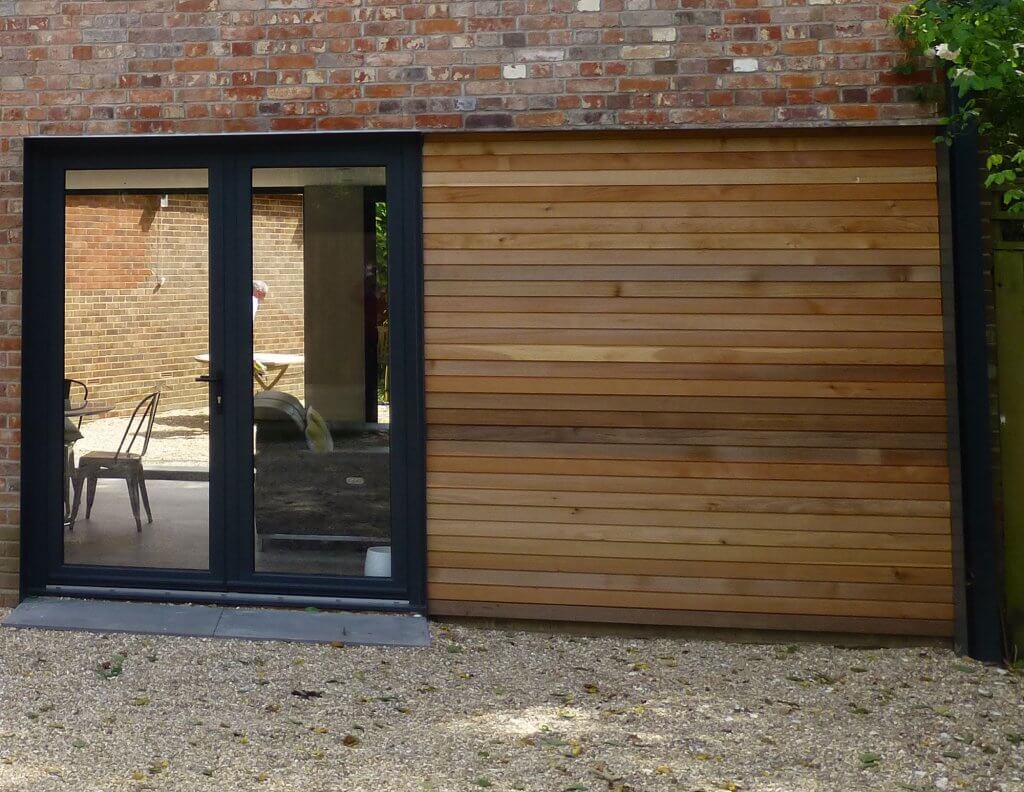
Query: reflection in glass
{"points": [[320, 371], [136, 423]]}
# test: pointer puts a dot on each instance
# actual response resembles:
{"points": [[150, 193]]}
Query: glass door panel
{"points": [[136, 365], [320, 384]]}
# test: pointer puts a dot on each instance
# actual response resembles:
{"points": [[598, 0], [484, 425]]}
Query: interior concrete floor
{"points": [[178, 537]]}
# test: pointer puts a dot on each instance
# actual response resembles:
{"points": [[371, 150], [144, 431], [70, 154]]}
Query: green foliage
{"points": [[980, 46], [380, 227]]}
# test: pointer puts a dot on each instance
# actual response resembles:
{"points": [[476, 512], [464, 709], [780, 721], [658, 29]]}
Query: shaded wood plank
{"points": [[793, 208], [636, 439], [806, 256], [694, 241], [703, 322], [693, 141], [673, 601], [469, 476], [695, 585], [508, 461], [702, 176], [694, 618], [740, 275], [680, 535], [745, 504], [652, 550], [673, 567], [648, 160], [688, 289], [646, 225], [920, 190], [793, 367], [686, 404], [747, 339], [541, 416], [714, 388], [590, 516]]}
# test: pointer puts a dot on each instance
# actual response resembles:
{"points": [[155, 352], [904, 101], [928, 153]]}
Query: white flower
{"points": [[943, 51]]}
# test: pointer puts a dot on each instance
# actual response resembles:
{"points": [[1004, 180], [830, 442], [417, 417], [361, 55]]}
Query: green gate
{"points": [[1008, 255]]}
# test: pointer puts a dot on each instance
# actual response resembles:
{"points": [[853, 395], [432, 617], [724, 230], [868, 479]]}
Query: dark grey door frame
{"points": [[228, 160]]}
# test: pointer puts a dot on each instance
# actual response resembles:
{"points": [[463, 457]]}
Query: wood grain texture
{"points": [[687, 379]]}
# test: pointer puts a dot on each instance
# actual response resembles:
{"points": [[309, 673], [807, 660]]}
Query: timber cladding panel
{"points": [[687, 379]]}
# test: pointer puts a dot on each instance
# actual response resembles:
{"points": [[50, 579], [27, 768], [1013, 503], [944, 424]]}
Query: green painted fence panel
{"points": [[1009, 282]]}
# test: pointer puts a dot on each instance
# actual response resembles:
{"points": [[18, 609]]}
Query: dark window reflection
{"points": [[320, 371]]}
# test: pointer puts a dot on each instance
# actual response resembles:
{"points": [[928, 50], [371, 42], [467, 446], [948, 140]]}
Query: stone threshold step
{"points": [[213, 621]]}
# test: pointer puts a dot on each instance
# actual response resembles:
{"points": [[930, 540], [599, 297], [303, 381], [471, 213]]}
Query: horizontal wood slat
{"points": [[693, 618], [647, 209], [687, 379]]}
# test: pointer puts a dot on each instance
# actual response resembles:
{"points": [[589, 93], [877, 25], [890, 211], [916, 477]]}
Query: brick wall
{"points": [[126, 333], [192, 66], [277, 259], [260, 65]]}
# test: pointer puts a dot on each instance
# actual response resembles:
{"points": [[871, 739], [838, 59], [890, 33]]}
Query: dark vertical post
{"points": [[979, 586]]}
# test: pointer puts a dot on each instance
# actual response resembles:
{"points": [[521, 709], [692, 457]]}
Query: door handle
{"points": [[215, 381]]}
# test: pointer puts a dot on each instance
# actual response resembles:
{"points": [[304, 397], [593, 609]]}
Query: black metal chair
{"points": [[123, 463]]}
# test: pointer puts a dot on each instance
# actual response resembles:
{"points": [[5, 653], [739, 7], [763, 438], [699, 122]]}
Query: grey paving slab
{"points": [[351, 628], [258, 624], [52, 613]]}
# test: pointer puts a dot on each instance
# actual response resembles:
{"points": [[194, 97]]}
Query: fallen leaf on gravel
{"points": [[350, 740], [308, 694], [109, 669], [869, 759]]}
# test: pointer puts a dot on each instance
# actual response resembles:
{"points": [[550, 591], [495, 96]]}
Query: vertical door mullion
{"points": [[237, 339], [219, 224]]}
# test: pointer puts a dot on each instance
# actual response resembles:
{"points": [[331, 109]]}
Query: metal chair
{"points": [[123, 463], [72, 434]]}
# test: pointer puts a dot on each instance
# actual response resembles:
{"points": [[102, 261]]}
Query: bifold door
{"points": [[223, 368]]}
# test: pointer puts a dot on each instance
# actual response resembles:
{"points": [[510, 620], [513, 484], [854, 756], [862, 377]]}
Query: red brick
{"points": [[536, 120], [855, 112], [430, 27], [802, 47], [195, 65], [438, 121], [798, 80], [292, 123]]}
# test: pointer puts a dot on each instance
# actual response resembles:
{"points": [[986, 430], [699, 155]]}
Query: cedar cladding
{"points": [[687, 379]]}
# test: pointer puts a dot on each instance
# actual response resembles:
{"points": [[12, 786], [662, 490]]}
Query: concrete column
{"points": [[333, 262]]}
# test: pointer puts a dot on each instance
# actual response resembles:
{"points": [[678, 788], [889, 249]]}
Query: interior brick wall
{"points": [[137, 293], [277, 259]]}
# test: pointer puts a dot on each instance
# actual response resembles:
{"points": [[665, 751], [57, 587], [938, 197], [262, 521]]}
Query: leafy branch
{"points": [[980, 46]]}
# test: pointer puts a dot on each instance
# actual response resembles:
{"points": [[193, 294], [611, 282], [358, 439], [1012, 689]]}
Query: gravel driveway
{"points": [[500, 710]]}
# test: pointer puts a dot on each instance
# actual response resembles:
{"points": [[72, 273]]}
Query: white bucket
{"points": [[378, 562]]}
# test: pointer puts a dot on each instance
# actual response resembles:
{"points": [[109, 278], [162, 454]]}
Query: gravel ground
{"points": [[503, 710]]}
